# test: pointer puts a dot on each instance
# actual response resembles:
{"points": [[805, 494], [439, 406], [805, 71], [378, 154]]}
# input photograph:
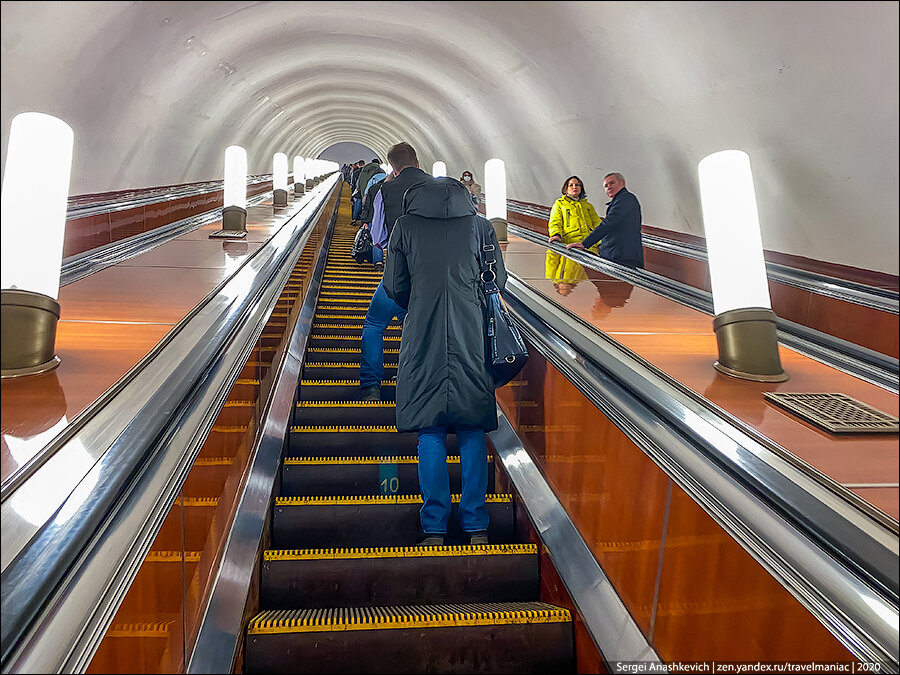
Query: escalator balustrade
{"points": [[342, 588]]}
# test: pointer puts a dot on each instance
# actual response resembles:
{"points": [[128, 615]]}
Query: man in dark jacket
{"points": [[443, 384], [620, 232], [406, 172], [362, 180]]}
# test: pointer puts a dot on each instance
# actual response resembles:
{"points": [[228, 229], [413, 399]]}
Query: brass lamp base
{"points": [[310, 184], [28, 327], [748, 345], [299, 189], [279, 198], [500, 229], [234, 224]]}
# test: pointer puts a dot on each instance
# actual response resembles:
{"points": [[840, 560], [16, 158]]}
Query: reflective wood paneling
{"points": [[92, 357], [83, 234], [196, 254], [857, 324], [139, 294], [717, 603]]}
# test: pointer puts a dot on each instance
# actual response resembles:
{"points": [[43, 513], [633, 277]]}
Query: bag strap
{"points": [[487, 261]]}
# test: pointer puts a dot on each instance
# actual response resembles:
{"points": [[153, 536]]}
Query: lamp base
{"points": [[234, 224], [279, 198], [28, 327], [500, 226], [310, 183], [748, 345], [299, 189]]}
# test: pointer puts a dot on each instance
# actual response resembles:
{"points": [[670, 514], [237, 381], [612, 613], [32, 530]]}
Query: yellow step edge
{"points": [[399, 552], [141, 630], [201, 501], [214, 461], [376, 499], [390, 338], [414, 616], [343, 430], [222, 429], [239, 404], [345, 404], [173, 556], [339, 383], [344, 350], [380, 459]]}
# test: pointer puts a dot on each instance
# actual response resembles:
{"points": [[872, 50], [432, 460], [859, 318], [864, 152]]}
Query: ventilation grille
{"points": [[837, 413]]}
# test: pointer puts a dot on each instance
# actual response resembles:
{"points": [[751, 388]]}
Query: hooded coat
{"points": [[433, 270]]}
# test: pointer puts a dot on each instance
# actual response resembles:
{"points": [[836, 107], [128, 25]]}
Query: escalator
{"points": [[342, 587]]}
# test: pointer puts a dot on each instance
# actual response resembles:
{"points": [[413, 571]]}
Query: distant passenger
{"points": [[473, 187], [572, 217], [355, 196], [382, 309], [362, 181], [620, 232], [377, 227], [443, 384]]}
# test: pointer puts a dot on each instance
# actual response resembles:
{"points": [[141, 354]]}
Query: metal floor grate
{"points": [[837, 413]]}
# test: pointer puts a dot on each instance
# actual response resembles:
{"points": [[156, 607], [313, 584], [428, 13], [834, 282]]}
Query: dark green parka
{"points": [[433, 270]]}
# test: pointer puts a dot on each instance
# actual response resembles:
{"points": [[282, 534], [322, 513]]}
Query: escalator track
{"points": [[342, 587]]}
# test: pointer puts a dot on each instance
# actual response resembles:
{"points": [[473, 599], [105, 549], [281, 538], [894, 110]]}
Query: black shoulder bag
{"points": [[361, 250], [504, 348]]}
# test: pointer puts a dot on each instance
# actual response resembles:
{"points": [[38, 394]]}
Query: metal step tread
{"points": [[398, 552], [309, 500], [371, 459], [408, 616]]}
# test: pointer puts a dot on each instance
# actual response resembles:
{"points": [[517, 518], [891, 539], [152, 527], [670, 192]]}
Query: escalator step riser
{"points": [[322, 370], [377, 415], [355, 524], [331, 327], [358, 443], [373, 478], [349, 355], [506, 648], [323, 390], [369, 582]]}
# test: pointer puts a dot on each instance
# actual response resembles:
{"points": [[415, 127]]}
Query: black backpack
{"points": [[362, 246]]}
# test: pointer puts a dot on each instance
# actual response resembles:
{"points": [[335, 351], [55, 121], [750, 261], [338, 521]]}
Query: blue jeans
{"points": [[434, 479], [377, 255], [354, 210], [381, 310]]}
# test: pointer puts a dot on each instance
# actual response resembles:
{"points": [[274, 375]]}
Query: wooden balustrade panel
{"points": [[713, 600]]}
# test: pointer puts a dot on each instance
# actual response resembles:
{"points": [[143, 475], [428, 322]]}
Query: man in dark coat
{"points": [[433, 269], [382, 310], [620, 232]]}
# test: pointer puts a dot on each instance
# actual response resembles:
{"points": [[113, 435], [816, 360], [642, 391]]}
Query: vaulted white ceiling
{"points": [[156, 90]]}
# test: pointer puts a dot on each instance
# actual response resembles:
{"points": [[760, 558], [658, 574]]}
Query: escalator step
{"points": [[399, 576], [340, 390], [322, 370], [362, 475], [324, 413], [347, 354], [531, 637], [323, 522], [347, 340], [355, 441]]}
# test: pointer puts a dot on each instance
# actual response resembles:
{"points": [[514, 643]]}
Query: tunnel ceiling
{"points": [[156, 90]]}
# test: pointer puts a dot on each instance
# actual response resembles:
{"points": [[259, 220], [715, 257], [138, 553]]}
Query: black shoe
{"points": [[479, 538], [379, 267], [432, 540], [372, 393]]}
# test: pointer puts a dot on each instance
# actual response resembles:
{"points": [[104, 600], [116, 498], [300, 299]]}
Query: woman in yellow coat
{"points": [[572, 217]]}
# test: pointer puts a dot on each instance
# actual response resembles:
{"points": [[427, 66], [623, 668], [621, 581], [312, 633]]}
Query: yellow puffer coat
{"points": [[572, 220], [563, 269]]}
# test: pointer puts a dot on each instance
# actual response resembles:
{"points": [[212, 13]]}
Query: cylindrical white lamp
{"points": [[745, 324], [299, 176], [34, 202], [279, 179], [308, 172], [495, 196], [439, 169], [234, 195]]}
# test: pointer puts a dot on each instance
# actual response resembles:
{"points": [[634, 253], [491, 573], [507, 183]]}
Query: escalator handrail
{"points": [[781, 516], [221, 628], [153, 196], [64, 578]]}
